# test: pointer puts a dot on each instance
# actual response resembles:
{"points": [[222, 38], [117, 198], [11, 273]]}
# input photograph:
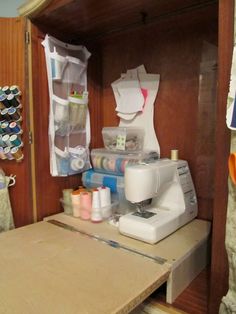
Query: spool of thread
{"points": [[3, 99], [67, 202], [17, 153], [14, 115], [15, 140], [13, 101], [1, 130], [5, 115], [75, 198], [14, 128], [112, 164], [6, 140], [96, 213], [6, 90], [7, 153], [15, 90], [5, 127], [174, 154], [77, 164], [85, 205], [105, 196], [1, 141], [2, 155]]}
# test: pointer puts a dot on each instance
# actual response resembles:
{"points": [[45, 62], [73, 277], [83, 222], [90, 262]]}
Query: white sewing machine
{"points": [[174, 203]]}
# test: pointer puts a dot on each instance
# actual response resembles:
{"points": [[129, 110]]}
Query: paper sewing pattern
{"points": [[135, 93]]}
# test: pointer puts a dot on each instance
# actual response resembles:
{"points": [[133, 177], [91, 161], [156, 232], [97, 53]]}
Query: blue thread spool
{"points": [[14, 128], [5, 127], [15, 140], [118, 164]]}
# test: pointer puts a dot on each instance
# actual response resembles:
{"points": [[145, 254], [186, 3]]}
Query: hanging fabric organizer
{"points": [[69, 122]]}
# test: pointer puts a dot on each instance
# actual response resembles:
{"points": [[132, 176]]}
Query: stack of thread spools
{"points": [[88, 204], [10, 123]]}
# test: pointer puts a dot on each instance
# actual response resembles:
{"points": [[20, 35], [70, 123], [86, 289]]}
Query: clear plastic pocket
{"points": [[72, 160], [60, 109], [58, 65], [78, 108], [75, 71]]}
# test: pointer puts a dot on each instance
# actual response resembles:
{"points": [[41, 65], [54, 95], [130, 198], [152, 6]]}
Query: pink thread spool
{"points": [[85, 205]]}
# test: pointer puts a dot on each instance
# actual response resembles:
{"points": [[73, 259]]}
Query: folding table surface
{"points": [[47, 269]]}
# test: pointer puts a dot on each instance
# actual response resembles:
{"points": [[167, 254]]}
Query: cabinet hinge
{"points": [[27, 37], [30, 138]]}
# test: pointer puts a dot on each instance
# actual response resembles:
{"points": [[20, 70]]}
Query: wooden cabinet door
{"points": [[13, 71]]}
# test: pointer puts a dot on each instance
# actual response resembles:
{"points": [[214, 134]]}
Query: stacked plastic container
{"points": [[122, 146]]}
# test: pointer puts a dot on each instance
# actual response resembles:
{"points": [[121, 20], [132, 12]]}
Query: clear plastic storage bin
{"points": [[114, 163], [92, 179], [127, 139]]}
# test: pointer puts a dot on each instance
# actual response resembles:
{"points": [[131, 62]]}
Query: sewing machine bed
{"points": [[185, 252]]}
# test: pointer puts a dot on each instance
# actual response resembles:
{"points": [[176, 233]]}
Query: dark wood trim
{"points": [[219, 265]]}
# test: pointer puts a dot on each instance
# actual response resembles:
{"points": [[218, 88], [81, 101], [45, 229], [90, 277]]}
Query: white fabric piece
{"points": [[131, 98]]}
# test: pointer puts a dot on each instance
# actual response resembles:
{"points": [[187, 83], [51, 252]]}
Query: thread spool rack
{"points": [[11, 143]]}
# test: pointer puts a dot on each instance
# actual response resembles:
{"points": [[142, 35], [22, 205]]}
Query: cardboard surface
{"points": [[46, 269], [174, 248]]}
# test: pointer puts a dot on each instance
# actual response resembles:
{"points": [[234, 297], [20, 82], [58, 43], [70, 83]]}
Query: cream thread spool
{"points": [[105, 197], [174, 155], [75, 199]]}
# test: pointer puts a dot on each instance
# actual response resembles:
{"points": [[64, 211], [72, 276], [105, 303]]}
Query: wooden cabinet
{"points": [[14, 71], [189, 43]]}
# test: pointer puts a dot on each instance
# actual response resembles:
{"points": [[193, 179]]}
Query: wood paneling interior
{"points": [[176, 49], [219, 266], [81, 20], [13, 72], [177, 45], [194, 299]]}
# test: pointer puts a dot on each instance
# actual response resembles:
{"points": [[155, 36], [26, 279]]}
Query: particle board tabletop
{"points": [[47, 269], [173, 248]]}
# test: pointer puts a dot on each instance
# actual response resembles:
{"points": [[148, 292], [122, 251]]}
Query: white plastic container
{"points": [[127, 139]]}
